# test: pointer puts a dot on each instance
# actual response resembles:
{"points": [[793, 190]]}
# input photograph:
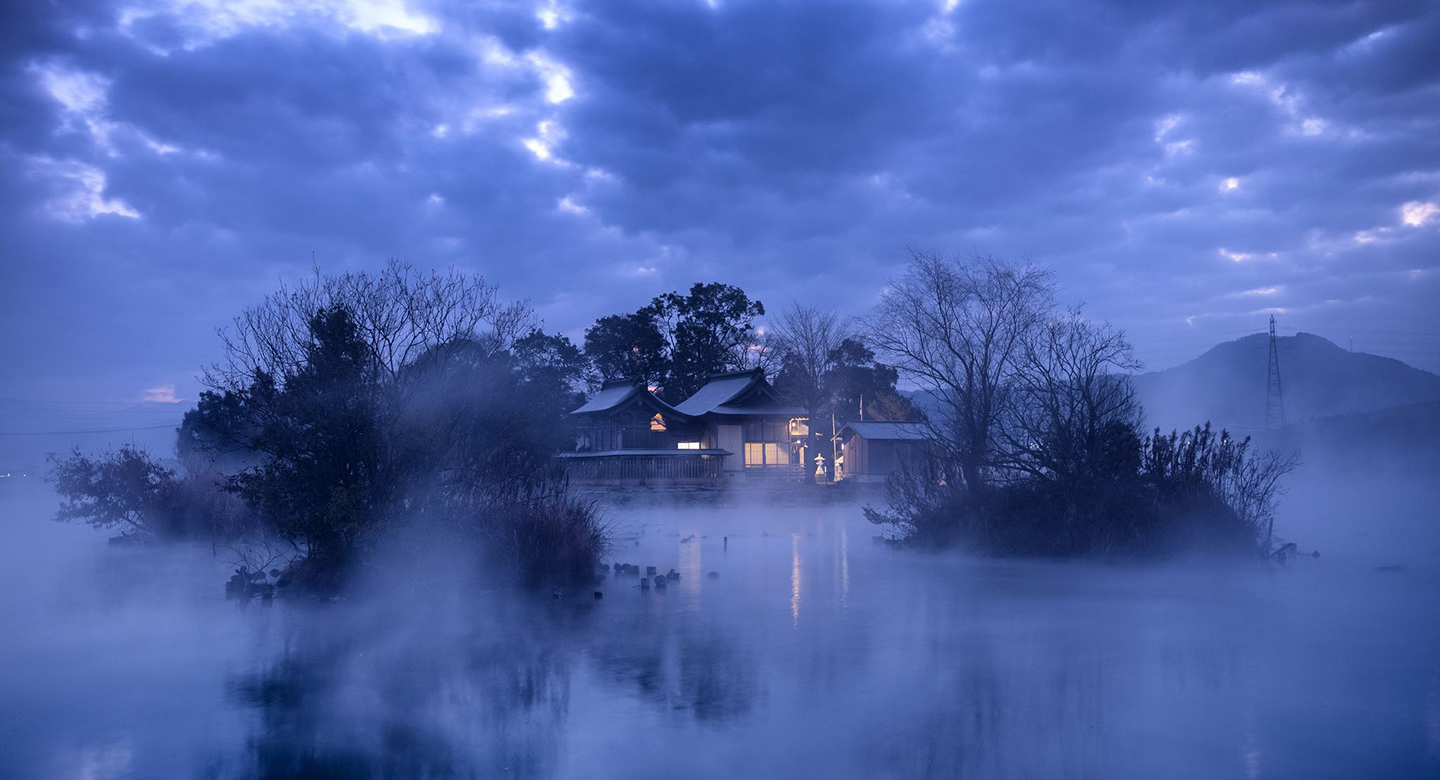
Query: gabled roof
{"points": [[720, 389], [891, 431], [737, 393], [613, 396]]}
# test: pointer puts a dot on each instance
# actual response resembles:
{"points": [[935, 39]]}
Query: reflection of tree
{"points": [[686, 669], [716, 683], [373, 704]]}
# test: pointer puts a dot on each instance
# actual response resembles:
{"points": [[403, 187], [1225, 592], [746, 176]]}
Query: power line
{"points": [[96, 430]]}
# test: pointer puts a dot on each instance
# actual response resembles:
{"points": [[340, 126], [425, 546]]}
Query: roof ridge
{"points": [[731, 374]]}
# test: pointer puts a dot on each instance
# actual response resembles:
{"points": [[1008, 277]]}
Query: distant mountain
{"points": [[1226, 385]]}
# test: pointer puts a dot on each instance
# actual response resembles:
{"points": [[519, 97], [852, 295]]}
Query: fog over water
{"points": [[815, 652]]}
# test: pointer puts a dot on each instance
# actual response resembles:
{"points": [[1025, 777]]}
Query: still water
{"points": [[813, 651]]}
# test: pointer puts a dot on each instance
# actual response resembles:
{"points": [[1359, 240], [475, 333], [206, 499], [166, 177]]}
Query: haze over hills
{"points": [[1226, 385]]}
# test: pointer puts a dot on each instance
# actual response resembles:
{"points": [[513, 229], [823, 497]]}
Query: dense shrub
{"points": [[555, 539], [1165, 494]]}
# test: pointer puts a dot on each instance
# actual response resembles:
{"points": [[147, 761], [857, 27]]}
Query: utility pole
{"points": [[1274, 398], [834, 448]]}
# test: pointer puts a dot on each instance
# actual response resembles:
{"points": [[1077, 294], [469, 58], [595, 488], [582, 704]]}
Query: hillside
{"points": [[1226, 385]]}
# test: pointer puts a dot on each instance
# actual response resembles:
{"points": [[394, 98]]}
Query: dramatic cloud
{"points": [[1187, 169]]}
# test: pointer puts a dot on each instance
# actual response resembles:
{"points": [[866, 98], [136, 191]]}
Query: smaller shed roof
{"points": [[892, 431]]}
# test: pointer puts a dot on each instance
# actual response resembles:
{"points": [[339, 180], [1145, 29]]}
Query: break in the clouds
{"points": [[161, 394], [1186, 168]]}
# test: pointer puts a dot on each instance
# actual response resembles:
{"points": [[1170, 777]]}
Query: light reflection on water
{"points": [[125, 663], [795, 579]]}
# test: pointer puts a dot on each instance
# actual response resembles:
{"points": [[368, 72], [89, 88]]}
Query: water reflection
{"points": [[905, 666], [342, 700], [795, 579]]}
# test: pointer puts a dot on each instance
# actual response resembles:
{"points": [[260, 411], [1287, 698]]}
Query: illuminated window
{"points": [[689, 445], [777, 454], [656, 423], [758, 453], [754, 453]]}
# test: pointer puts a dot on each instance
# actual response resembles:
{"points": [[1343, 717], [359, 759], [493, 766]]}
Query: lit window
{"points": [[777, 454], [758, 453], [754, 453], [689, 445]]}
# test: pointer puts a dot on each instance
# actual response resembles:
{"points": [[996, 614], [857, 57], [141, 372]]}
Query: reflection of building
{"points": [[735, 425], [874, 450]]}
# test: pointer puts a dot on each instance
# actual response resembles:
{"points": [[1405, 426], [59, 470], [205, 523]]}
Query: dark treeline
{"points": [[361, 407], [1035, 437], [351, 408]]}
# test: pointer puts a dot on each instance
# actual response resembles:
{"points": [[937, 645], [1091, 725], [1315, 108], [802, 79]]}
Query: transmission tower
{"points": [[1274, 399]]}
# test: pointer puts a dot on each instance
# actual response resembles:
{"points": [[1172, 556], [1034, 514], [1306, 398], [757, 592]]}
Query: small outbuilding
{"points": [[873, 451]]}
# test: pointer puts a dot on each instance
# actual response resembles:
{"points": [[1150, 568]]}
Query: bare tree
{"points": [[398, 312], [806, 339], [1074, 405], [957, 330], [1252, 488]]}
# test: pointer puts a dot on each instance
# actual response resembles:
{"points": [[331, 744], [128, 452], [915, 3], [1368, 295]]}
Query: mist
{"points": [[793, 643], [875, 389]]}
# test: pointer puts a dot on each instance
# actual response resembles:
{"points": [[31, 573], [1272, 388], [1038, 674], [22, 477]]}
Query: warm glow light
{"points": [[795, 579]]}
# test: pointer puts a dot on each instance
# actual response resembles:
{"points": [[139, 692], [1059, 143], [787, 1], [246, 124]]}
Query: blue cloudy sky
{"points": [[1186, 168]]}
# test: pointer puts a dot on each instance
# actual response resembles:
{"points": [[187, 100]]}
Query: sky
{"points": [[1186, 169]]}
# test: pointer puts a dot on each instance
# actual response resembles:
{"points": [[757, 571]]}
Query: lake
{"points": [[812, 651]]}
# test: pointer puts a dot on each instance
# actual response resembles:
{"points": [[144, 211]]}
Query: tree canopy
{"points": [[677, 341]]}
